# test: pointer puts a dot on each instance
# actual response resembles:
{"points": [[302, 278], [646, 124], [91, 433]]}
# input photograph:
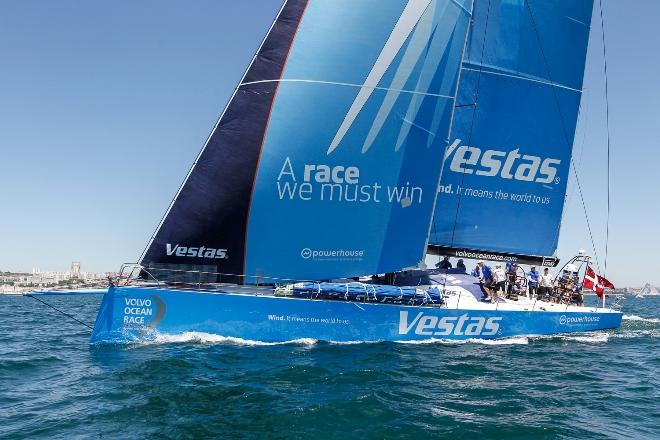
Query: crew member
{"points": [[444, 264], [499, 279], [533, 282], [511, 270], [487, 281], [516, 290], [546, 284], [578, 295]]}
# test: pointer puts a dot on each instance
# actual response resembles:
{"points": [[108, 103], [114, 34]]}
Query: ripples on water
{"points": [[54, 384]]}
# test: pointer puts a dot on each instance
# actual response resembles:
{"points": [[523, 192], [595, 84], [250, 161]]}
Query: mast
{"points": [[451, 120]]}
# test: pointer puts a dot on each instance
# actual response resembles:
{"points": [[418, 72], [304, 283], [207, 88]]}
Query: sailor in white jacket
{"points": [[546, 283], [499, 279]]}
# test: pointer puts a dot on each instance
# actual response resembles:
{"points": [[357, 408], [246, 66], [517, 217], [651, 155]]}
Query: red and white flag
{"points": [[595, 282]]}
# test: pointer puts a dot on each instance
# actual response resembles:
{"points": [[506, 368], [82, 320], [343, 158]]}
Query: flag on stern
{"points": [[595, 282]]}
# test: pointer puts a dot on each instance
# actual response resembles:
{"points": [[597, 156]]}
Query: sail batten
{"points": [[493, 70], [334, 83]]}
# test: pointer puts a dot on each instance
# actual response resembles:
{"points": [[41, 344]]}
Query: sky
{"points": [[104, 106]]}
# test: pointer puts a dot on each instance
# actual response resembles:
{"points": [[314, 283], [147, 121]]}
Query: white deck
{"points": [[454, 297], [463, 299]]}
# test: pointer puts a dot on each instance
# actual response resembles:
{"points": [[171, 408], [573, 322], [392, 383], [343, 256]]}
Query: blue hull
{"points": [[130, 314]]}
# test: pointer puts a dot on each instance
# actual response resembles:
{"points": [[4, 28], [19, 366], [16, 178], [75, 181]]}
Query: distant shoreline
{"points": [[20, 290]]}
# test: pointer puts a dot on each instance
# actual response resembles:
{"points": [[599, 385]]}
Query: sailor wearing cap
{"points": [[485, 275], [533, 282], [499, 279]]}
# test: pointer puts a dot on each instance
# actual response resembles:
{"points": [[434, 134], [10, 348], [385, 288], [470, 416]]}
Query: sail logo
{"points": [[464, 325], [332, 254], [578, 320], [464, 253], [507, 165], [137, 311], [339, 183], [196, 252]]}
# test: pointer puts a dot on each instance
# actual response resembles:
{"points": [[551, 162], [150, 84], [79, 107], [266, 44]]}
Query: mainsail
{"points": [[504, 180], [326, 160]]}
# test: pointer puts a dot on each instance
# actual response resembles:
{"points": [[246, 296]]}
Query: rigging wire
{"points": [[607, 124], [583, 114], [563, 124], [61, 311], [586, 213], [583, 122], [474, 115], [466, 45]]}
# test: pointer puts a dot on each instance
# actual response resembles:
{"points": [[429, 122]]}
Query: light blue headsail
{"points": [[505, 173], [326, 161], [349, 166]]}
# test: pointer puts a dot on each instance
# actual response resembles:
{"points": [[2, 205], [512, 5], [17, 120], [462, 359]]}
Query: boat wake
{"points": [[210, 338], [353, 342], [639, 318], [638, 327], [589, 338], [630, 334], [214, 339], [516, 340]]}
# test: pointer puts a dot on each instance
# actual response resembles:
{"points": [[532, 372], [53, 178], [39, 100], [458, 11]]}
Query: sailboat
{"points": [[362, 135]]}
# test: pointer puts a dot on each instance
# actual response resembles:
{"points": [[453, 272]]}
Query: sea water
{"points": [[54, 384]]}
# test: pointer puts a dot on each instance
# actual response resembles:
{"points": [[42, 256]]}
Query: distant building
{"points": [[75, 269]]}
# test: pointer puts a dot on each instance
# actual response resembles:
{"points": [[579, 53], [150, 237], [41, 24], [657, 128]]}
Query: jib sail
{"points": [[504, 179], [326, 161]]}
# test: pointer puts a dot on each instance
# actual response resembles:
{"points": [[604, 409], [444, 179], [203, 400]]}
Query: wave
{"points": [[590, 338], [595, 338], [601, 337], [639, 318], [353, 342], [14, 364], [515, 340], [210, 338], [631, 334]]}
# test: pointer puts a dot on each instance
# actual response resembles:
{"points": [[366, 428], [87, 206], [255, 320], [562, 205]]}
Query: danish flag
{"points": [[595, 282]]}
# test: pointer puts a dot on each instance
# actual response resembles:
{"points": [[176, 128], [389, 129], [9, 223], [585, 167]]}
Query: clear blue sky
{"points": [[104, 105]]}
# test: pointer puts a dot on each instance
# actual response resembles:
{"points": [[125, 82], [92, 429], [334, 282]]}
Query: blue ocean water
{"points": [[54, 384]]}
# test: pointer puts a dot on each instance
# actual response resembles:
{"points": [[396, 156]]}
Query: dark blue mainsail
{"points": [[326, 161], [504, 179], [209, 214]]}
